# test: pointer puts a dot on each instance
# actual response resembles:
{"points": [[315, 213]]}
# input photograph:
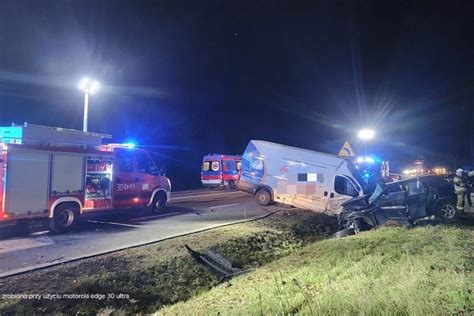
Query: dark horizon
{"points": [[187, 79]]}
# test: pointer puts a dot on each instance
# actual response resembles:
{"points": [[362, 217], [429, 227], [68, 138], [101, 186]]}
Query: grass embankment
{"points": [[162, 273], [393, 270]]}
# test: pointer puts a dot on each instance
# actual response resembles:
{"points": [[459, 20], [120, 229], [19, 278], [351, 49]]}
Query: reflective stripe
{"points": [[216, 181]]}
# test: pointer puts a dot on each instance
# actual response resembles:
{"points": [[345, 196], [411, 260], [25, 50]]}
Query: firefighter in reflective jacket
{"points": [[461, 187]]}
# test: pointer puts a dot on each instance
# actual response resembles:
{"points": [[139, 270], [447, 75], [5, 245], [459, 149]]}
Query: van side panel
{"points": [[298, 177], [304, 183], [294, 175], [27, 182]]}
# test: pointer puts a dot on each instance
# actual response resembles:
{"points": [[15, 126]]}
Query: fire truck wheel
{"points": [[159, 203], [231, 184], [65, 216], [264, 197]]}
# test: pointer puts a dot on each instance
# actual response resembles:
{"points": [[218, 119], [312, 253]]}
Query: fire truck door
{"points": [[124, 179], [145, 180]]}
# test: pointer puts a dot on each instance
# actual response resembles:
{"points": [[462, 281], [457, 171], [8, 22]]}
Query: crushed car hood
{"points": [[358, 203]]}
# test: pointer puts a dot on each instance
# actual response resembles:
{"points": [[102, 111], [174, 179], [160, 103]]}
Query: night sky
{"points": [[186, 78]]}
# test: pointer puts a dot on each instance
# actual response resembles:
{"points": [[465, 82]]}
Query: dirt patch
{"points": [[143, 279]]}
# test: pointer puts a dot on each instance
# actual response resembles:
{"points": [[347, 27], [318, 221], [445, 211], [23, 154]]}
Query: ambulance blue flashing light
{"points": [[368, 159]]}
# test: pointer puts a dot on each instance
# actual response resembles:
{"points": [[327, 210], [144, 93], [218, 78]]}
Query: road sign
{"points": [[346, 150]]}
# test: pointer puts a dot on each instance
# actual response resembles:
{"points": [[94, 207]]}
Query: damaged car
{"points": [[401, 202]]}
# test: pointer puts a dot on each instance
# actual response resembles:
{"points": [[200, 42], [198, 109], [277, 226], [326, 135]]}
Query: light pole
{"points": [[366, 135], [88, 86]]}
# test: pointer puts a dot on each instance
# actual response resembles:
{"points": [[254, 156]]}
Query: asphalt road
{"points": [[187, 212]]}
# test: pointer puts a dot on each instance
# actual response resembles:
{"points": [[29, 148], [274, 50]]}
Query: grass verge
{"points": [[155, 275], [421, 271]]}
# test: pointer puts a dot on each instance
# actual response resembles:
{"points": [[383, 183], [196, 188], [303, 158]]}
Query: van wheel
{"points": [[231, 184], [264, 197], [65, 217], [159, 203]]}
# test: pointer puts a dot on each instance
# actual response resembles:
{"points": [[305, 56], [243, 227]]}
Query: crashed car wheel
{"points": [[344, 233], [446, 211], [355, 225]]}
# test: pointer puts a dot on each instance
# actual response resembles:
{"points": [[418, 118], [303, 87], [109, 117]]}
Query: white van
{"points": [[299, 177]]}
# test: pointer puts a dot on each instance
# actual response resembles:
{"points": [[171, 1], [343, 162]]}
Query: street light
{"points": [[88, 86], [366, 135]]}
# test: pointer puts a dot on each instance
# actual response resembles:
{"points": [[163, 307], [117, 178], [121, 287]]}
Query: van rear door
{"points": [[211, 172]]}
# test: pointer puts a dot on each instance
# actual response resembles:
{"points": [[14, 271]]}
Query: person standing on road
{"points": [[461, 188]]}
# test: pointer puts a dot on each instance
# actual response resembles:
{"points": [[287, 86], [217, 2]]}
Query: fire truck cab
{"points": [[58, 174]]}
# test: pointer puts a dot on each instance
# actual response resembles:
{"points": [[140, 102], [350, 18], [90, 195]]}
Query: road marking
{"points": [[24, 243], [44, 232], [220, 206], [113, 223], [199, 191], [202, 195], [155, 216]]}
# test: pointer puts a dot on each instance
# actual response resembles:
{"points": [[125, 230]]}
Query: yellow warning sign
{"points": [[346, 150]]}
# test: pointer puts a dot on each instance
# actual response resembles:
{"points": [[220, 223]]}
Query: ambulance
{"points": [[57, 175], [219, 170]]}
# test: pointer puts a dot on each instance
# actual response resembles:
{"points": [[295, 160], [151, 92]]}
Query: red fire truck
{"points": [[58, 174]]}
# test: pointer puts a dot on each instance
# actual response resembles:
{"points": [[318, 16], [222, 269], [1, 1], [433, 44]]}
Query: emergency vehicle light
{"points": [[367, 159], [11, 134], [111, 147]]}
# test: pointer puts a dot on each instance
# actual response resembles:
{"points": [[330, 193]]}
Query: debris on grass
{"points": [[217, 264]]}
